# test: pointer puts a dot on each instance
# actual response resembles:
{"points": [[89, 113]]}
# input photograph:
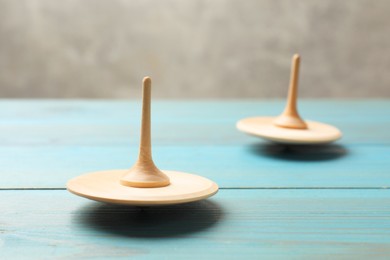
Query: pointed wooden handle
{"points": [[144, 173], [290, 117], [145, 148], [293, 88]]}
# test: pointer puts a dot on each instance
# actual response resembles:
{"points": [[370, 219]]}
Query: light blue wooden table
{"points": [[321, 202]]}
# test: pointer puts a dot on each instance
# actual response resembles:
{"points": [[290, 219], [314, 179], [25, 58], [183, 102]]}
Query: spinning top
{"points": [[143, 184], [289, 127]]}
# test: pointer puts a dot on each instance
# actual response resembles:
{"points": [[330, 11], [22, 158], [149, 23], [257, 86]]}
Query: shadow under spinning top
{"points": [[141, 222], [144, 184], [289, 127]]}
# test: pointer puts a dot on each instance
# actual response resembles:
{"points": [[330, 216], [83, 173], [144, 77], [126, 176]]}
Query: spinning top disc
{"points": [[144, 184], [105, 186], [289, 127], [316, 133]]}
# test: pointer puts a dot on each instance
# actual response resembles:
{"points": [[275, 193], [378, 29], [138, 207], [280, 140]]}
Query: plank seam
{"points": [[241, 188]]}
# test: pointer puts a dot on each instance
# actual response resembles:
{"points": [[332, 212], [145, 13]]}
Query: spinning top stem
{"points": [[290, 117], [144, 173], [145, 148]]}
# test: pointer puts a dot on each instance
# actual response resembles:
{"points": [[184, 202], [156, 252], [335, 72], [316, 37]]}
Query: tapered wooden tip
{"points": [[144, 174], [290, 117], [147, 82]]}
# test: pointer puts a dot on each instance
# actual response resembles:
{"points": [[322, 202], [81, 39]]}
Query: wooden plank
{"points": [[246, 224], [195, 122], [44, 143], [257, 165]]}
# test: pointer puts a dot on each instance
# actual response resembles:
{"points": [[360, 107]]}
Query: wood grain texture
{"points": [[98, 123], [252, 224], [45, 143], [256, 165], [323, 202]]}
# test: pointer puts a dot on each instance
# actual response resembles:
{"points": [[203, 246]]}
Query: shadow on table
{"points": [[300, 152], [150, 222]]}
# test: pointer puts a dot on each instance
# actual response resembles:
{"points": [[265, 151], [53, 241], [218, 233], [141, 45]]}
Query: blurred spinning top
{"points": [[143, 184], [289, 127]]}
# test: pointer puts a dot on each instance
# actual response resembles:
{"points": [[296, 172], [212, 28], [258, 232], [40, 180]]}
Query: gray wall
{"points": [[193, 48]]}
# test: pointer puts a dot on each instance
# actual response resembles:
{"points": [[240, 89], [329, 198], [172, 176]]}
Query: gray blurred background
{"points": [[193, 48]]}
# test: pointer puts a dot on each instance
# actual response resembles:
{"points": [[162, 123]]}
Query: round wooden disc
{"points": [[316, 133], [105, 186]]}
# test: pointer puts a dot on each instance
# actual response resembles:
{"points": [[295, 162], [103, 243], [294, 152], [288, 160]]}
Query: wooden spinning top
{"points": [[289, 127], [143, 184]]}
